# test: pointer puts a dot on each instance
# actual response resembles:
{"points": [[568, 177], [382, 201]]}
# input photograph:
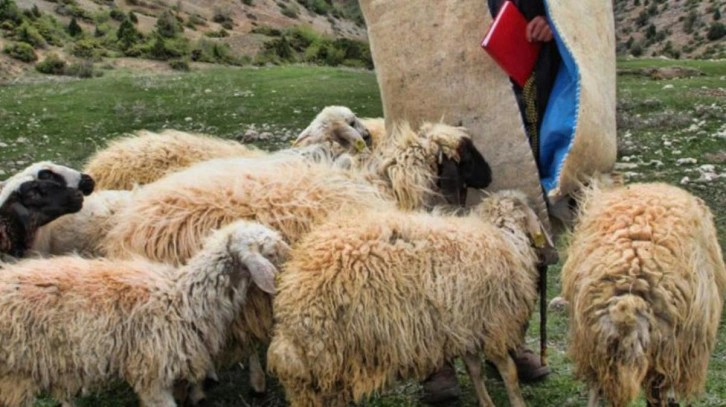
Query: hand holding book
{"points": [[508, 42]]}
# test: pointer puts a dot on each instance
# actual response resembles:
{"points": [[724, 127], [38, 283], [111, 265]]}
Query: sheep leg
{"points": [[508, 371], [594, 400], [257, 373], [473, 367]]}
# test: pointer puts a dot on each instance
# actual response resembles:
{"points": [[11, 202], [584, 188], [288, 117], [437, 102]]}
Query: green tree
{"points": [[716, 14], [74, 29], [9, 11], [167, 25], [716, 31], [127, 35]]}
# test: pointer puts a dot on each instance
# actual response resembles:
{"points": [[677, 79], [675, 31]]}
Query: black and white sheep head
{"points": [[336, 124], [460, 164], [258, 249], [41, 201], [48, 171]]}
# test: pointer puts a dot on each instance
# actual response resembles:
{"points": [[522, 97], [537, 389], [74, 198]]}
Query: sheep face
{"points": [[259, 249], [48, 200], [48, 171], [460, 164], [338, 124]]}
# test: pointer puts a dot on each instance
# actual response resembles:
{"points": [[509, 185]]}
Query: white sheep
{"points": [[370, 296], [146, 156], [71, 323], [645, 280], [82, 232]]}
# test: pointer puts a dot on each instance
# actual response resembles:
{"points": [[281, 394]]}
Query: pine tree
{"points": [[74, 29]]}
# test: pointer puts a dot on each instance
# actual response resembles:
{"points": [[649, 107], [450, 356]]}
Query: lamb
{"points": [[370, 296], [34, 197], [146, 156], [645, 279], [95, 320], [82, 232]]}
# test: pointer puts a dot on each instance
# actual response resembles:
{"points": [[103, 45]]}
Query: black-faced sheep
{"points": [[645, 280], [34, 197], [370, 296], [71, 323]]}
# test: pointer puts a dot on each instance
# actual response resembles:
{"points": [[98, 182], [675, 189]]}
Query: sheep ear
{"points": [[536, 230], [302, 136], [347, 136], [262, 271], [450, 183]]}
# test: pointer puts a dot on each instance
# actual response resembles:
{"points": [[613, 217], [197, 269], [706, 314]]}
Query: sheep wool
{"points": [[144, 157], [82, 232], [645, 279], [371, 296], [71, 323]]}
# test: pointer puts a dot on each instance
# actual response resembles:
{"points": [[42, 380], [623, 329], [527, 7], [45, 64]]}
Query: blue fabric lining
{"points": [[557, 131]]}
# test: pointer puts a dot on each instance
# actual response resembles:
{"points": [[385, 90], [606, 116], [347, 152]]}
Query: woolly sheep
{"points": [[338, 124], [82, 232], [371, 296], [146, 156], [644, 278], [95, 320]]}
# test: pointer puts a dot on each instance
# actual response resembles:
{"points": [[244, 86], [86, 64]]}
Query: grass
{"points": [[660, 122]]}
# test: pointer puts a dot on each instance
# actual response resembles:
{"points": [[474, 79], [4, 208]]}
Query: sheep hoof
{"points": [[558, 304], [441, 387]]}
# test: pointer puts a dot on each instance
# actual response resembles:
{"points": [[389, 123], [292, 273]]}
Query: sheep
{"points": [[644, 278], [82, 232], [146, 156], [150, 324], [338, 124], [34, 197], [370, 296]]}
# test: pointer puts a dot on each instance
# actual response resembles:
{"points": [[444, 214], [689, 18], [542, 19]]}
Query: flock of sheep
{"points": [[348, 257]]}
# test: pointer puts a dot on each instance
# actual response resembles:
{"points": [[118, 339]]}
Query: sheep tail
{"points": [[622, 339]]}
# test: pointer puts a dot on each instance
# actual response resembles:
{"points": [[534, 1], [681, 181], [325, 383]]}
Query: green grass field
{"points": [[660, 122]]}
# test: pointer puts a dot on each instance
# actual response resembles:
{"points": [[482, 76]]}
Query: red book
{"points": [[506, 42]]}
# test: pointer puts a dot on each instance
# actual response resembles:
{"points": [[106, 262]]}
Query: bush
{"points": [[85, 48], [716, 31], [51, 65], [321, 7], [636, 50], [83, 69], [289, 10], [217, 34], [117, 15], [9, 11], [133, 18], [51, 30], [179, 65], [248, 2], [266, 30], [212, 52], [168, 48], [21, 51], [29, 34], [690, 22], [167, 25], [127, 35]]}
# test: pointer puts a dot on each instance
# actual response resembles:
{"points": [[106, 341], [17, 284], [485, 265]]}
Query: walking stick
{"points": [[543, 313]]}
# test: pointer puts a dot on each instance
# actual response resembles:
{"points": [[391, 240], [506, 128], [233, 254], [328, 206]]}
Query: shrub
{"points": [[52, 31], [321, 7], [290, 10], [248, 2], [716, 31], [179, 65], [716, 14], [117, 15], [127, 35], [217, 34], [133, 18], [21, 51], [168, 48], [29, 34], [51, 65], [636, 50], [167, 25], [83, 69], [9, 11], [211, 51], [690, 22], [266, 30]]}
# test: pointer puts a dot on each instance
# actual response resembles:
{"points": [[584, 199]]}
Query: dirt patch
{"points": [[671, 72], [718, 157]]}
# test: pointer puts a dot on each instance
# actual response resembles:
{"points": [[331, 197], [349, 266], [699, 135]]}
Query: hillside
{"points": [[672, 28], [253, 31], [242, 27]]}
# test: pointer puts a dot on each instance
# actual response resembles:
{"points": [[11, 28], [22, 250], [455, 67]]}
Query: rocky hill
{"points": [[672, 28], [254, 31]]}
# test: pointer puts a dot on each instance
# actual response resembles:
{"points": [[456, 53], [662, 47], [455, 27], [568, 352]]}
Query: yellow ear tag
{"points": [[539, 240], [360, 146]]}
